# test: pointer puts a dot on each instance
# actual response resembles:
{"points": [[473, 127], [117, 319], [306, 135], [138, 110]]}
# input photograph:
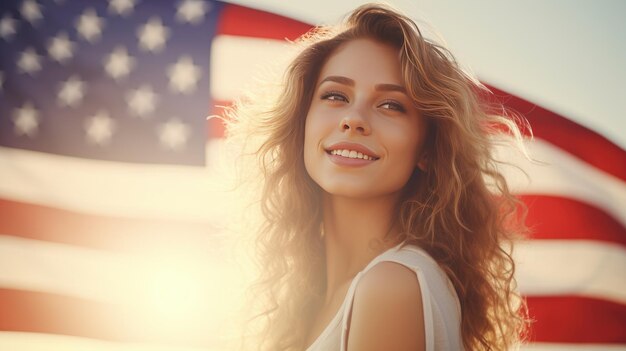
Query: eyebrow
{"points": [[390, 87], [338, 79], [350, 82]]}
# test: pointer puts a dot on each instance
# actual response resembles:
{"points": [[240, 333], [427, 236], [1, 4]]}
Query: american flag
{"points": [[112, 202]]}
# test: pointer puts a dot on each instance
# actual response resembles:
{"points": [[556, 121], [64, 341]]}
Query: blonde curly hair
{"points": [[460, 209]]}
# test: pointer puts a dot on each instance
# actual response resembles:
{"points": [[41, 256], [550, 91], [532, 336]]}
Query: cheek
{"points": [[404, 147], [309, 146], [404, 142], [313, 130], [319, 124]]}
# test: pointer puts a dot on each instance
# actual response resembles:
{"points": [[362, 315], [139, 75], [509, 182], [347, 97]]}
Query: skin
{"points": [[359, 98]]}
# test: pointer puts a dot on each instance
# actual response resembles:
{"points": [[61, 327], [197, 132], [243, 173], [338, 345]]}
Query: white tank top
{"points": [[442, 311]]}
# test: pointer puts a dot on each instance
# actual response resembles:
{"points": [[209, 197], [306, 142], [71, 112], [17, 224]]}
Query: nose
{"points": [[355, 122]]}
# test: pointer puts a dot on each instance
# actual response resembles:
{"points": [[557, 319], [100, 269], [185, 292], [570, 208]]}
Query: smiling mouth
{"points": [[351, 154]]}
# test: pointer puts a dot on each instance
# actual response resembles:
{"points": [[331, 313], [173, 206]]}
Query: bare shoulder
{"points": [[387, 313]]}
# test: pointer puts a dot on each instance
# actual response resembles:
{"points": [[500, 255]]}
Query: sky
{"points": [[565, 55]]}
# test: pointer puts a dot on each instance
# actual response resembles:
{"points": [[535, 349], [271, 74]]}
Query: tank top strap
{"points": [[406, 257]]}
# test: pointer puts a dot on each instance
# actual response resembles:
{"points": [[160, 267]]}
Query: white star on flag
{"points": [[7, 27], [122, 7], [99, 128], [71, 92], [29, 62], [173, 134], [89, 25], [184, 75], [153, 35], [31, 11], [142, 101], [26, 120], [61, 48], [191, 11], [119, 64]]}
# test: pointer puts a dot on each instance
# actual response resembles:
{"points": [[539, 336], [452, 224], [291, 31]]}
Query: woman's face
{"points": [[363, 134]]}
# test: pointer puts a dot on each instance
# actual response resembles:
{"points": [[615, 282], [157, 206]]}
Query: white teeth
{"points": [[350, 154]]}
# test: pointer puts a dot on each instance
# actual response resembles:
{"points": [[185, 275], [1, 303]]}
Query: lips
{"points": [[358, 148]]}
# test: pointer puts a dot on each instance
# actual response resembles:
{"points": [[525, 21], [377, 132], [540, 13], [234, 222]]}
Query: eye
{"points": [[334, 96], [392, 105]]}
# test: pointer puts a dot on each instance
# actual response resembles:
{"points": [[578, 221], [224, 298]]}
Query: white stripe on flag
{"points": [[192, 193], [118, 189], [21, 341], [189, 273], [571, 267], [546, 267], [236, 60], [49, 342], [564, 175]]}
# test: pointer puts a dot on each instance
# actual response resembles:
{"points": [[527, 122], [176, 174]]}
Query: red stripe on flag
{"points": [[550, 217], [573, 319], [553, 217], [579, 141], [215, 125], [28, 311], [37, 312], [99, 232], [247, 22]]}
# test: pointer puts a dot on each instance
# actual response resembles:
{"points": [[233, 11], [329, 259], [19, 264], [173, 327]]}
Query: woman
{"points": [[386, 221]]}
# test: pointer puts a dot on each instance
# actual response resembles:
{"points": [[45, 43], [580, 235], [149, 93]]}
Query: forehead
{"points": [[365, 61]]}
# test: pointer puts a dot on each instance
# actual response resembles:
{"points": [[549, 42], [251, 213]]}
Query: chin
{"points": [[352, 190]]}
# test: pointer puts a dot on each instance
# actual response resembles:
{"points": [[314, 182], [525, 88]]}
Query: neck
{"points": [[354, 230]]}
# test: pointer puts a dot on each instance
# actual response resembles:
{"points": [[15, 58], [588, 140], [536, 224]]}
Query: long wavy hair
{"points": [[460, 209]]}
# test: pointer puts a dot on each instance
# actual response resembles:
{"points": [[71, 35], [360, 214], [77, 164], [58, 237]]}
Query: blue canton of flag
{"points": [[121, 80]]}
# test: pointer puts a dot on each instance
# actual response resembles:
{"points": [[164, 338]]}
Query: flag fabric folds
{"points": [[110, 203]]}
